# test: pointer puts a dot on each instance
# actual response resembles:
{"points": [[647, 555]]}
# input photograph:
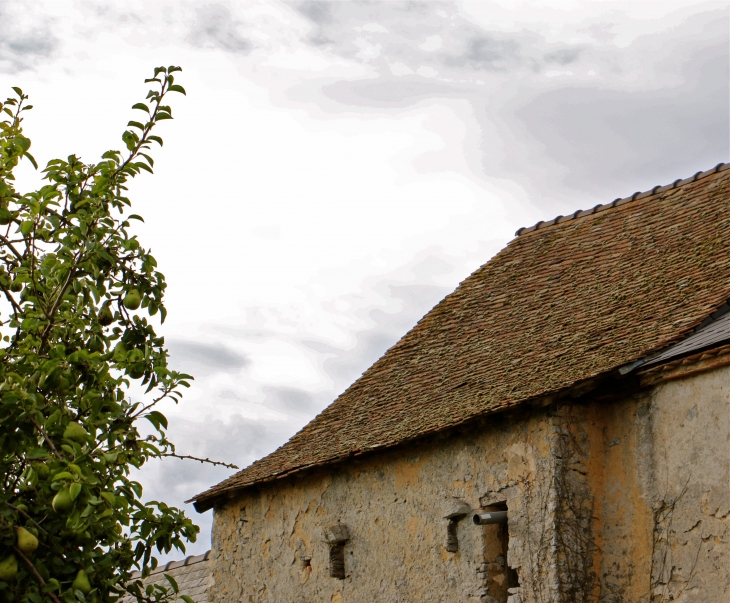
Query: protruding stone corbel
{"points": [[336, 536], [454, 511]]}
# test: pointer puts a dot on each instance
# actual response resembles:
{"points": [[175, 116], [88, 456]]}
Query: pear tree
{"points": [[80, 296]]}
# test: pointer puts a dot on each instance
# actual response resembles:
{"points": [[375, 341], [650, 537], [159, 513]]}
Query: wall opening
{"points": [[498, 579], [456, 510], [337, 560], [336, 536], [452, 539]]}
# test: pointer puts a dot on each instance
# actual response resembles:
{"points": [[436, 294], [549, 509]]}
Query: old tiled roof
{"points": [[193, 576], [565, 301]]}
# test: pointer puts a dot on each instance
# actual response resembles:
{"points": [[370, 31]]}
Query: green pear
{"points": [[96, 344], [81, 582], [26, 542], [105, 316], [120, 351], [136, 371], [132, 300], [74, 431], [8, 568], [42, 470], [62, 502]]}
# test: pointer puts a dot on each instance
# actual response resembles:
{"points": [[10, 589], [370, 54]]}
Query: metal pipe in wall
{"points": [[490, 517]]}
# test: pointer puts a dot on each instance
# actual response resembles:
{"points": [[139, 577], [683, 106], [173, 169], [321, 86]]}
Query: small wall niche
{"points": [[455, 511], [336, 536]]}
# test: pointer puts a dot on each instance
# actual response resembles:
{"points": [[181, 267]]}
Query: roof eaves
{"points": [[170, 565], [622, 201]]}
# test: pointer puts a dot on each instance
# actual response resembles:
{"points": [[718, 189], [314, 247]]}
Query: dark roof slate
{"points": [[711, 335], [557, 306]]}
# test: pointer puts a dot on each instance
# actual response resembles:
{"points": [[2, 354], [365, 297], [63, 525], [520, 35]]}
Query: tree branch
{"points": [[46, 438], [33, 571], [195, 458], [28, 517]]}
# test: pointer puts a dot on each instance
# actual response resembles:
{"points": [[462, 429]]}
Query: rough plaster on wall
{"points": [[665, 494], [622, 501], [393, 506], [690, 489]]}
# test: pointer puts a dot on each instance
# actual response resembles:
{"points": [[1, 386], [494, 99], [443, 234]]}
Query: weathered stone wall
{"points": [[270, 544], [665, 492], [608, 501]]}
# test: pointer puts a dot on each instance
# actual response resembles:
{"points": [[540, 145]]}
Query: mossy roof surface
{"points": [[564, 302]]}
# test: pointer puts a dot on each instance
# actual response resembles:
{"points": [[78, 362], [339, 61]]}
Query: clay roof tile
{"points": [[567, 300]]}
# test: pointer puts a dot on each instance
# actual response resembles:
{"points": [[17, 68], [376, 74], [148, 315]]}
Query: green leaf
{"points": [[157, 419], [141, 107], [176, 88], [31, 159], [173, 583], [75, 490], [62, 475]]}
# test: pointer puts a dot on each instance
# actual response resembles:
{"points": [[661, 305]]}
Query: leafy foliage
{"points": [[77, 290]]}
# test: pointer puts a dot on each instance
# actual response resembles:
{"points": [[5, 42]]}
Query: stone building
{"points": [[557, 429]]}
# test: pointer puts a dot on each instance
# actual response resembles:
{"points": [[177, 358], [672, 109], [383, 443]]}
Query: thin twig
{"points": [[195, 458], [33, 571], [46, 438], [28, 517]]}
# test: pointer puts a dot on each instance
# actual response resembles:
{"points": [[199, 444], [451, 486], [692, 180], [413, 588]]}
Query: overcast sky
{"points": [[338, 167]]}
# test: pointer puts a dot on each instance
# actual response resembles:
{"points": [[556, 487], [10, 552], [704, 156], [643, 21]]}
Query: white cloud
{"points": [[432, 43], [426, 71], [398, 68], [373, 28]]}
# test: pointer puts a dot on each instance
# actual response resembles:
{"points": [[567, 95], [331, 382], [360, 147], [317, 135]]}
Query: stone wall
{"points": [[270, 545], [623, 500], [665, 492]]}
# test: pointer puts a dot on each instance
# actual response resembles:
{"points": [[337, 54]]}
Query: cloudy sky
{"points": [[338, 167]]}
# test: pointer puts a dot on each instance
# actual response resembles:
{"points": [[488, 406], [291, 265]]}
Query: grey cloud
{"points": [[316, 10], [654, 110], [490, 53], [387, 328], [24, 44], [466, 49], [202, 359], [216, 27], [611, 143], [294, 401], [291, 401], [563, 56]]}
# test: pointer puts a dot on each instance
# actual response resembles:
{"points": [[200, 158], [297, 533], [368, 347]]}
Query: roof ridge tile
{"points": [[622, 200]]}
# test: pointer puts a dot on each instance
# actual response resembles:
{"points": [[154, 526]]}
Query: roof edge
{"points": [[622, 200], [206, 500], [171, 565]]}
